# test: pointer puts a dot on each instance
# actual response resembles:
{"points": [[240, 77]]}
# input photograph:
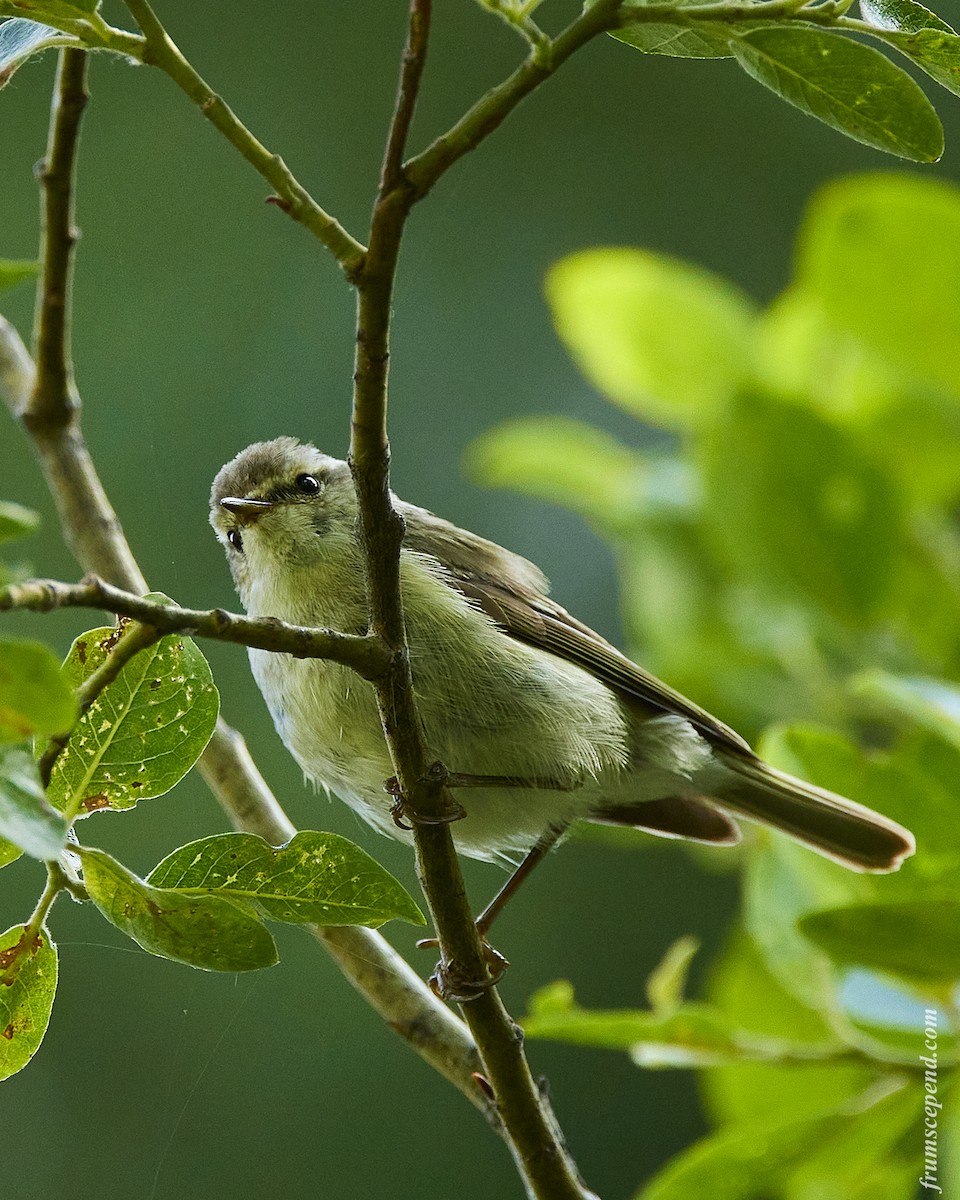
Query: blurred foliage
{"points": [[792, 554]]}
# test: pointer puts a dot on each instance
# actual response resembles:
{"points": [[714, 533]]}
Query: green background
{"points": [[206, 320]]}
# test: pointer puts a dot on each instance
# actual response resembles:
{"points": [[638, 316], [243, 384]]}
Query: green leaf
{"points": [[15, 520], [795, 506], [881, 254], [904, 15], [34, 697], [749, 996], [805, 358], [18, 40], [668, 979], [693, 1035], [664, 339], [920, 35], [847, 85], [917, 940], [704, 39], [26, 818], [782, 882], [8, 852], [904, 786], [49, 10], [14, 271], [911, 430], [565, 462], [26, 1002], [752, 1161], [931, 703], [316, 877], [144, 731], [208, 932]]}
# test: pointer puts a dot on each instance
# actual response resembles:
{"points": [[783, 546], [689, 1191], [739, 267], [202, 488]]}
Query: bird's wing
{"points": [[513, 593]]}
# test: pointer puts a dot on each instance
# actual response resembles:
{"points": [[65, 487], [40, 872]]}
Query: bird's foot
{"points": [[436, 777], [451, 983]]}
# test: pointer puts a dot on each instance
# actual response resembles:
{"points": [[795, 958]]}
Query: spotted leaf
{"points": [[144, 731], [316, 877]]}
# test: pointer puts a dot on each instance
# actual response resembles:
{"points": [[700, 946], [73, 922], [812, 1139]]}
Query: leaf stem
{"points": [[56, 883], [291, 196], [519, 18], [13, 959]]}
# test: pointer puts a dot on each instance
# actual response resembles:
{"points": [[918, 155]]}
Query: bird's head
{"points": [[277, 508]]}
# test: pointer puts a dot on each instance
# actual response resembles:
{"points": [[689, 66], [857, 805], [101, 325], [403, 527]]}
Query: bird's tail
{"points": [[849, 833]]}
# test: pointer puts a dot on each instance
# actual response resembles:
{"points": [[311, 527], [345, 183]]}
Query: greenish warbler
{"points": [[542, 720]]}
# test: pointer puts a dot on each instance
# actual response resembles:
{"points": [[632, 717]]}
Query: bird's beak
{"points": [[246, 511]]}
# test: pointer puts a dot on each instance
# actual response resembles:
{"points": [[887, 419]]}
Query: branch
{"points": [[98, 542], [425, 169], [528, 1124], [363, 654], [160, 51], [414, 60], [53, 396]]}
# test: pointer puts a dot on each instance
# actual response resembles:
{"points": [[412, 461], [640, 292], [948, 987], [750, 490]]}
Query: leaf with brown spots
{"points": [[28, 982], [315, 877], [144, 731], [209, 932]]}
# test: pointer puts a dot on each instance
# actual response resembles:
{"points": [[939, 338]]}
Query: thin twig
{"points": [[528, 1124], [291, 196], [491, 110], [414, 60], [363, 654]]}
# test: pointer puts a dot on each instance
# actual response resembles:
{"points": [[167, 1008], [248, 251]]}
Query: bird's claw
{"points": [[449, 982], [436, 776]]}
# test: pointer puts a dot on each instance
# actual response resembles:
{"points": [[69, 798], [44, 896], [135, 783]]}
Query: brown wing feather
{"points": [[513, 592]]}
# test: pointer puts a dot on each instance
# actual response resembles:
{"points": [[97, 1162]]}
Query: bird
{"points": [[540, 721]]}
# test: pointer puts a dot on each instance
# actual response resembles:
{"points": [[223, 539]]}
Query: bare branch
{"points": [[53, 396], [414, 60], [527, 1122], [365, 655], [291, 196]]}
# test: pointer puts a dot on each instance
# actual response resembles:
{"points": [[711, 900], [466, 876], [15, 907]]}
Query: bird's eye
{"points": [[308, 485], [235, 540]]}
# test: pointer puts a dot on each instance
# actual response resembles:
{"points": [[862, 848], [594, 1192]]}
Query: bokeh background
{"points": [[204, 321]]}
